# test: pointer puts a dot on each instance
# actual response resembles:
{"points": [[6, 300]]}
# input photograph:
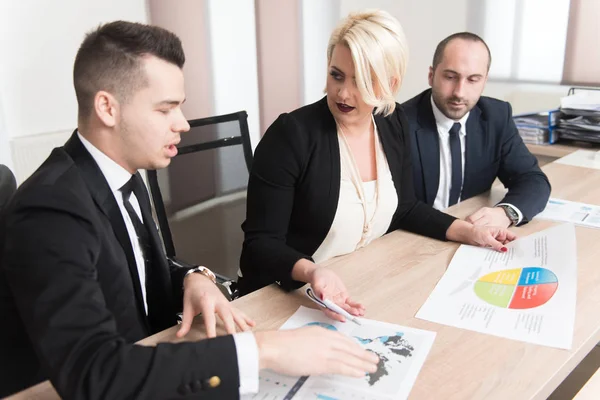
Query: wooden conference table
{"points": [[395, 274]]}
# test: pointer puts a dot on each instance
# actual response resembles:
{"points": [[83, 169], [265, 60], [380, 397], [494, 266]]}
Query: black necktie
{"points": [[132, 186], [142, 229], [455, 155]]}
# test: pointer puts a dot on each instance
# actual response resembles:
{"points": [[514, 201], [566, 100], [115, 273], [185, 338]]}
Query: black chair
{"points": [[200, 198], [8, 185]]}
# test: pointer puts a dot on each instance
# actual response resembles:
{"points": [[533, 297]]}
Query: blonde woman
{"points": [[332, 176]]}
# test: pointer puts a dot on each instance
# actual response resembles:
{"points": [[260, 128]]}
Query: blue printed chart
{"points": [[401, 350], [528, 293]]}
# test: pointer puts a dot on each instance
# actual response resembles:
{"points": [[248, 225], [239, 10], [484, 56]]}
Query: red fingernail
{"points": [[504, 249]]}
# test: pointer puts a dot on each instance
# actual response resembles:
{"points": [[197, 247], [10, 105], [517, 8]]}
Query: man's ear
{"points": [[430, 76], [106, 108]]}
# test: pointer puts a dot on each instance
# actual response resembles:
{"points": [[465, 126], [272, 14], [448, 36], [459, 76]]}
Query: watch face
{"points": [[511, 214]]}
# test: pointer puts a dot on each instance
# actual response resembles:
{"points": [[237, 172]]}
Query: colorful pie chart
{"points": [[518, 288]]}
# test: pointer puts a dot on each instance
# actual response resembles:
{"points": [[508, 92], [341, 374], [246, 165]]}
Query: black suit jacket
{"points": [[8, 185], [493, 149], [70, 298], [294, 188]]}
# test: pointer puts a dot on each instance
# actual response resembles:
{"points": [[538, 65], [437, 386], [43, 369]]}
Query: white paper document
{"points": [[582, 158], [582, 214], [528, 293], [401, 350]]}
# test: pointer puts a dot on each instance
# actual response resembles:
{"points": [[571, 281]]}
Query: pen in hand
{"points": [[330, 305]]}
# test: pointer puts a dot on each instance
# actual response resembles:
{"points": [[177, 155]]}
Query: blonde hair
{"points": [[380, 54]]}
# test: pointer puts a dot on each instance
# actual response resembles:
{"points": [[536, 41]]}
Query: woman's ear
{"points": [[395, 84]]}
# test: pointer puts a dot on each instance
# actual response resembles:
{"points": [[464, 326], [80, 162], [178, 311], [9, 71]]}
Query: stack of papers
{"points": [[581, 117]]}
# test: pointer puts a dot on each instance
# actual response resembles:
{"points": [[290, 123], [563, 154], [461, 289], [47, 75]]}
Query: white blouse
{"points": [[365, 209]]}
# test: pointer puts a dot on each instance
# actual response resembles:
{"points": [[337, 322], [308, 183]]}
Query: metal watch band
{"points": [[204, 271]]}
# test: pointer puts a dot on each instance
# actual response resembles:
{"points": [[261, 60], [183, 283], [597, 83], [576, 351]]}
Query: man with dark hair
{"points": [[462, 141], [82, 272]]}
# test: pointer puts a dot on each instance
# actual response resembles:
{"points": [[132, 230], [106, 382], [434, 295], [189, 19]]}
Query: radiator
{"points": [[29, 152]]}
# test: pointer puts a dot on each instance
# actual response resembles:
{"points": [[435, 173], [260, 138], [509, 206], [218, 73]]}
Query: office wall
{"points": [[424, 29], [234, 63], [5, 156], [318, 19], [36, 95], [219, 39], [583, 50], [279, 55], [38, 43]]}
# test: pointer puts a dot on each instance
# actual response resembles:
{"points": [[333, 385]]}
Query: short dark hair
{"points": [[441, 47], [110, 59]]}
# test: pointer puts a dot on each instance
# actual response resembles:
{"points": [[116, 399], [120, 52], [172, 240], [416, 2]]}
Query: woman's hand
{"points": [[327, 285], [480, 235]]}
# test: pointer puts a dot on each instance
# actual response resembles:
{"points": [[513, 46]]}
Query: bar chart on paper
{"points": [[519, 288]]}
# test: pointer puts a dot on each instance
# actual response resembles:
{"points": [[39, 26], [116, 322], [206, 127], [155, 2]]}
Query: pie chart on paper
{"points": [[519, 288]]}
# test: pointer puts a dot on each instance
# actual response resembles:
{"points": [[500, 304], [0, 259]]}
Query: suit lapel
{"points": [[106, 202], [428, 144], [474, 144]]}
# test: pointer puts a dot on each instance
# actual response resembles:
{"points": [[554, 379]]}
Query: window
{"points": [[549, 41]]}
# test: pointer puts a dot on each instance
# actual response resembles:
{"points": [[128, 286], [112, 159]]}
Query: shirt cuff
{"points": [[515, 210], [247, 358]]}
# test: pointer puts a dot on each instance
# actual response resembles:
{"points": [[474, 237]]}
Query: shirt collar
{"points": [[446, 123], [115, 175]]}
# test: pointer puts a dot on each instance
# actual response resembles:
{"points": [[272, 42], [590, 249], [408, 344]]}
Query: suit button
{"points": [[196, 386], [214, 381], [184, 389]]}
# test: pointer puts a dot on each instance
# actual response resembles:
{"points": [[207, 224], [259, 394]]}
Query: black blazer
{"points": [[493, 149], [70, 299], [294, 188]]}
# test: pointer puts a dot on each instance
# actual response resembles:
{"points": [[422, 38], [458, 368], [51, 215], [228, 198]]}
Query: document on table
{"points": [[401, 350], [587, 215], [528, 293], [582, 158]]}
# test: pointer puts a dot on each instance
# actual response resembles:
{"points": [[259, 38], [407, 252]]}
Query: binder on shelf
{"points": [[539, 127]]}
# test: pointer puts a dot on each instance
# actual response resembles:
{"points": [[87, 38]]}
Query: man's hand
{"points": [[201, 295], [489, 216], [313, 351]]}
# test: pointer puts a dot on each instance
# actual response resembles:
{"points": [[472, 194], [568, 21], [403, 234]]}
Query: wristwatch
{"points": [[511, 214], [202, 270]]}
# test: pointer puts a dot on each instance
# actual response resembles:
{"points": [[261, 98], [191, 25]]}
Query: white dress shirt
{"points": [[444, 124], [365, 209], [117, 176]]}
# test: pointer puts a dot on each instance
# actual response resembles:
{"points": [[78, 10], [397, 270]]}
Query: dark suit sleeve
{"points": [[414, 215], [51, 249], [528, 187], [277, 166]]}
